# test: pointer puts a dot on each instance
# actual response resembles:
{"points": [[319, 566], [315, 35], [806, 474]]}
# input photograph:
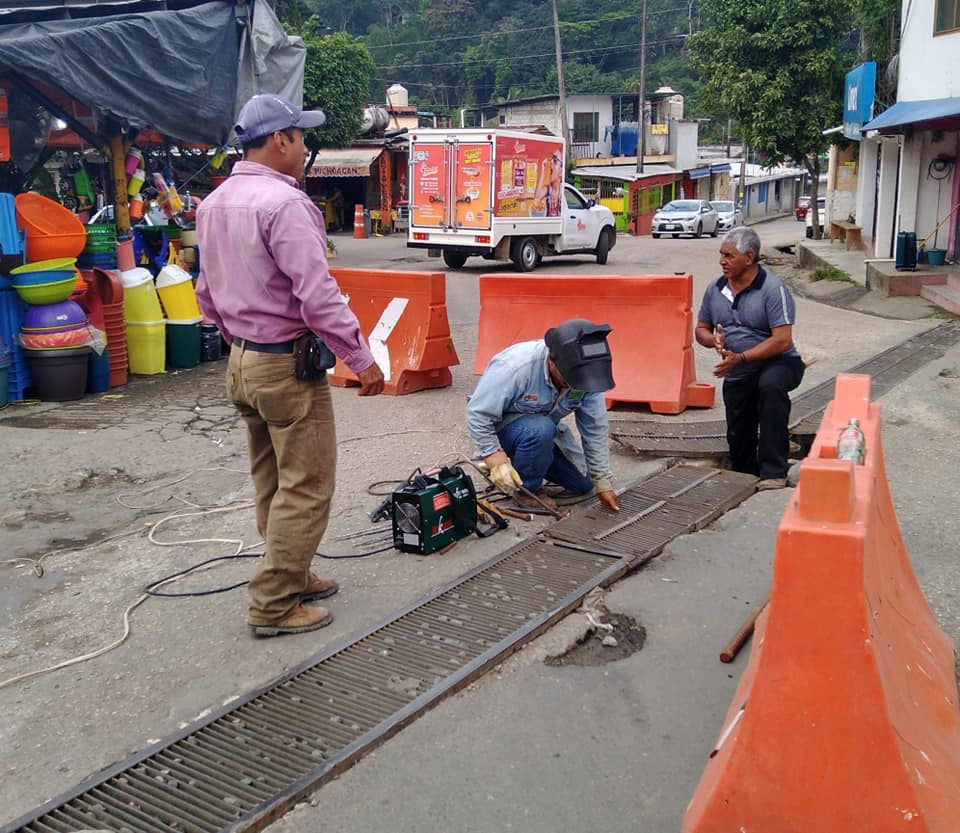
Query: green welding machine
{"points": [[434, 509]]}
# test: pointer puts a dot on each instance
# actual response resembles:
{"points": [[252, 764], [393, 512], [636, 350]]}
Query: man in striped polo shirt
{"points": [[747, 316]]}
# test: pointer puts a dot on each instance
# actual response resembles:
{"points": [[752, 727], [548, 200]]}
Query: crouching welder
{"points": [[514, 415]]}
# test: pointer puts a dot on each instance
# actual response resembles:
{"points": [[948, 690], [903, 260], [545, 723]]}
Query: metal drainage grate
{"points": [[245, 765], [707, 438], [677, 501]]}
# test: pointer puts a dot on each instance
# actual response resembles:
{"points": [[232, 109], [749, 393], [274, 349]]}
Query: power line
{"points": [[599, 49], [499, 34]]}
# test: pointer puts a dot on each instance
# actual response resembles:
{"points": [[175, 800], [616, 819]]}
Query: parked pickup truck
{"points": [[499, 194]]}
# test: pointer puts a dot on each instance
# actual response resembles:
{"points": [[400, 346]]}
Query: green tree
{"points": [[776, 67], [336, 79]]}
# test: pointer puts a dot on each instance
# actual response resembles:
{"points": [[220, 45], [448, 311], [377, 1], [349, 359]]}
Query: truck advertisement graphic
{"points": [[529, 177], [429, 185], [472, 186]]}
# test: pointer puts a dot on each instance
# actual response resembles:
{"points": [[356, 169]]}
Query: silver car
{"points": [[693, 217], [730, 214]]}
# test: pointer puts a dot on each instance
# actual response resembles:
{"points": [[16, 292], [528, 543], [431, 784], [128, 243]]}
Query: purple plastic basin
{"points": [[48, 318]]}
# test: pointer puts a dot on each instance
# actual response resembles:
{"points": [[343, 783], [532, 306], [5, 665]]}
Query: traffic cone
{"points": [[358, 229]]}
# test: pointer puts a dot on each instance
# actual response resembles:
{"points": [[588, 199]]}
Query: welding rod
{"points": [[739, 639]]}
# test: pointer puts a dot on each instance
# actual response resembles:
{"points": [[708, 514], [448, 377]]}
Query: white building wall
{"points": [[929, 66], [536, 112]]}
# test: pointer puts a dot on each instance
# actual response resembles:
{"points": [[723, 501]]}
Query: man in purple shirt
{"points": [[264, 281]]}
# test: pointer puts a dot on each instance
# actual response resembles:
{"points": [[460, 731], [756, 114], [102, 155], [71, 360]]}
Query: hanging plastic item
{"points": [[167, 197]]}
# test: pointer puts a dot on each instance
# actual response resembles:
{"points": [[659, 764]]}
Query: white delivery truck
{"points": [[499, 194]]}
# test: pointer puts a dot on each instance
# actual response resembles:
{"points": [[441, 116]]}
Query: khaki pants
{"points": [[293, 459]]}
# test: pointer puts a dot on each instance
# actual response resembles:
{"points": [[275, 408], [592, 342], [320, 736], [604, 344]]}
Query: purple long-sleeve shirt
{"points": [[264, 274]]}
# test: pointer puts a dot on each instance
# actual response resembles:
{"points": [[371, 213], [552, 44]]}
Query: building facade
{"points": [[909, 153]]}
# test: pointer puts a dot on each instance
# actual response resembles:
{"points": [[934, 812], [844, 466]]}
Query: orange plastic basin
{"points": [[52, 230]]}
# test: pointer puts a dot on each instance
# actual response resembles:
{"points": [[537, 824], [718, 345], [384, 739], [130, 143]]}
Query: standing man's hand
{"points": [[371, 381], [609, 499]]}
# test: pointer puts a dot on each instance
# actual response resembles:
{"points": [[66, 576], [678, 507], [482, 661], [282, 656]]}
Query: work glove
{"points": [[503, 475]]}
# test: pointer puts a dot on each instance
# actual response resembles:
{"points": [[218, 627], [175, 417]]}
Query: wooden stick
{"points": [[732, 648]]}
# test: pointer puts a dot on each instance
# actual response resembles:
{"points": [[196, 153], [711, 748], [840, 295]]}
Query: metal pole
{"points": [[565, 127], [642, 138]]}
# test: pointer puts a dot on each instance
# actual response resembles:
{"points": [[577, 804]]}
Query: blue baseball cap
{"points": [[265, 114]]}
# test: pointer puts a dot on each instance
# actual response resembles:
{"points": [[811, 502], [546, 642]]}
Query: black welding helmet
{"points": [[580, 351]]}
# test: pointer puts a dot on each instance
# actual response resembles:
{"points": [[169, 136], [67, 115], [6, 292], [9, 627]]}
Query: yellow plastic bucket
{"points": [[146, 347], [140, 301], [175, 288]]}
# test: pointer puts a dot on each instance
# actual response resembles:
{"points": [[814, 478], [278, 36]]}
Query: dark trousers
{"points": [[758, 408]]}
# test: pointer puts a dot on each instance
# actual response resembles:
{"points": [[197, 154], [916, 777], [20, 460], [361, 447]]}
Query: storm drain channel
{"points": [[245, 765], [707, 438]]}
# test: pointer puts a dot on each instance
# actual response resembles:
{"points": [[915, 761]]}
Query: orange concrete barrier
{"points": [[845, 720], [358, 227], [403, 316], [651, 316]]}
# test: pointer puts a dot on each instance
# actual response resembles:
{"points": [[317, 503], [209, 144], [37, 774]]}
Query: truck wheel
{"points": [[524, 254], [603, 246], [454, 260], [655, 236], [699, 232]]}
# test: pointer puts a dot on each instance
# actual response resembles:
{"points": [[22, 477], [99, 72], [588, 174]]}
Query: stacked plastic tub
{"points": [[179, 300], [101, 247], [145, 327], [107, 286]]}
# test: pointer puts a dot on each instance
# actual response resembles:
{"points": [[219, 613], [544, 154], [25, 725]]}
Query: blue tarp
{"points": [[903, 113]]}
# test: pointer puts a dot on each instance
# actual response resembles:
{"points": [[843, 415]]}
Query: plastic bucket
{"points": [[175, 288], [136, 182], [140, 301], [98, 373], [133, 160], [936, 257], [59, 375], [183, 343], [146, 347]]}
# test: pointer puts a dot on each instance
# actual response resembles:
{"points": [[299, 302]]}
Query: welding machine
{"points": [[434, 509]]}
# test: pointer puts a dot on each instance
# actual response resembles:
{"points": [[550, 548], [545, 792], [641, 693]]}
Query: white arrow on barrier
{"points": [[381, 332]]}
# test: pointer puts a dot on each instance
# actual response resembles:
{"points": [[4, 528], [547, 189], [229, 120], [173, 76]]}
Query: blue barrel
{"points": [[906, 259]]}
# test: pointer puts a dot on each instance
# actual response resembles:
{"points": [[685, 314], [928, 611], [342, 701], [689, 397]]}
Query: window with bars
{"points": [[586, 127], [948, 16]]}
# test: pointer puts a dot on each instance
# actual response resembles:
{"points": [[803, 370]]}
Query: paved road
{"points": [[532, 747]]}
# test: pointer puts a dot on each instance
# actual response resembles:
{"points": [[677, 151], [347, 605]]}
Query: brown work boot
{"points": [[528, 502], [318, 588], [299, 620]]}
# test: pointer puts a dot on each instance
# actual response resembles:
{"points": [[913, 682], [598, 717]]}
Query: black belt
{"points": [[279, 347]]}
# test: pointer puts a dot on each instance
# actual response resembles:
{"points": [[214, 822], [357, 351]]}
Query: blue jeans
{"points": [[528, 441]]}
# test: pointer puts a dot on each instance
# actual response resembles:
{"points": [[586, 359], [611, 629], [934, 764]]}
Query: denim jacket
{"points": [[517, 383]]}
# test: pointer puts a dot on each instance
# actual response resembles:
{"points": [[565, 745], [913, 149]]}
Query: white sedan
{"points": [[730, 214], [693, 217]]}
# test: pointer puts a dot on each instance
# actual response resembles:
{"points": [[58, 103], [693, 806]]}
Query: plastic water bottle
{"points": [[852, 445]]}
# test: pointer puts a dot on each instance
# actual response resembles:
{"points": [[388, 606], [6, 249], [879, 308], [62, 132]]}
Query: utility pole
{"points": [[642, 137], [563, 94]]}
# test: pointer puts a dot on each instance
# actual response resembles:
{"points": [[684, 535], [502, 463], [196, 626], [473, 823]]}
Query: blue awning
{"points": [[721, 168], [916, 113], [699, 173]]}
